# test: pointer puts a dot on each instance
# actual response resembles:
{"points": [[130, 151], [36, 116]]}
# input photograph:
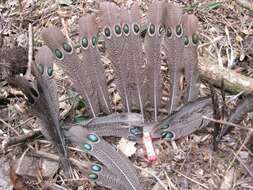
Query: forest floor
{"points": [[226, 33]]}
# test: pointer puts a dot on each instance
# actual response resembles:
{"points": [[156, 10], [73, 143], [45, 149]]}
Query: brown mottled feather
{"points": [[174, 53], [43, 101], [109, 16], [104, 152], [186, 120], [45, 58], [152, 45], [71, 64], [105, 177], [132, 58], [91, 57], [48, 103], [190, 25], [118, 125]]}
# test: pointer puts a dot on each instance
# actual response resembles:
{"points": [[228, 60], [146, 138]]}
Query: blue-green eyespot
{"points": [[165, 126], [92, 176], [84, 42], [50, 71], [195, 39], [186, 40], [136, 131], [117, 29], [87, 146], [94, 41], [96, 168], [179, 30], [67, 47], [126, 28], [152, 29], [92, 138], [107, 32], [167, 135], [169, 32], [136, 28], [58, 54]]}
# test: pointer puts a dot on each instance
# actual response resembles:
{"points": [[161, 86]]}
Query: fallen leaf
{"points": [[228, 180], [127, 147]]}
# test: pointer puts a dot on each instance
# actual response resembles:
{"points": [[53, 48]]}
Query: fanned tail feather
{"points": [[109, 21], [104, 152], [190, 25], [152, 46], [71, 64], [89, 38], [173, 44]]}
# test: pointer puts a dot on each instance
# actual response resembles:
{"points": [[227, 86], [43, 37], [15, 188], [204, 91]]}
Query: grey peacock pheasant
{"points": [[136, 63]]}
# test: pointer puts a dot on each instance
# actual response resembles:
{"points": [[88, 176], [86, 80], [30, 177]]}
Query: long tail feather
{"points": [[190, 25], [42, 97], [109, 21], [173, 44], [91, 56], [185, 121], [48, 103], [132, 57], [126, 125], [99, 174], [69, 61], [115, 162], [152, 45]]}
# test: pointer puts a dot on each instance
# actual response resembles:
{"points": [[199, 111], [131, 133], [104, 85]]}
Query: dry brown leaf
{"points": [[228, 180]]}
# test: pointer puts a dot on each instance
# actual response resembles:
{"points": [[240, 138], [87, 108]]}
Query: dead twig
{"points": [[19, 139], [243, 164], [192, 180], [152, 174], [243, 144], [30, 51], [227, 123]]}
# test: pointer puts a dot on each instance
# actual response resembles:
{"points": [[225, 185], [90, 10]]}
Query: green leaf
{"points": [[214, 5], [80, 119], [76, 100]]}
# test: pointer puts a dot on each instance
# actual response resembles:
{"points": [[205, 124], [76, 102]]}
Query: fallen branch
{"points": [[19, 139], [233, 81]]}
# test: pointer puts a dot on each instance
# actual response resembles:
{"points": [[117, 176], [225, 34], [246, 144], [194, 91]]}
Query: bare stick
{"points": [[19, 139], [227, 123], [233, 81], [243, 144], [54, 157], [9, 126], [152, 174], [30, 50], [243, 164], [192, 180]]}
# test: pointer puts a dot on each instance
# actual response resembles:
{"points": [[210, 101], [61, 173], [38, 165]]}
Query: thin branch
{"points": [[9, 126], [243, 144], [192, 180], [30, 50], [152, 174], [227, 123], [243, 164], [19, 139]]}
